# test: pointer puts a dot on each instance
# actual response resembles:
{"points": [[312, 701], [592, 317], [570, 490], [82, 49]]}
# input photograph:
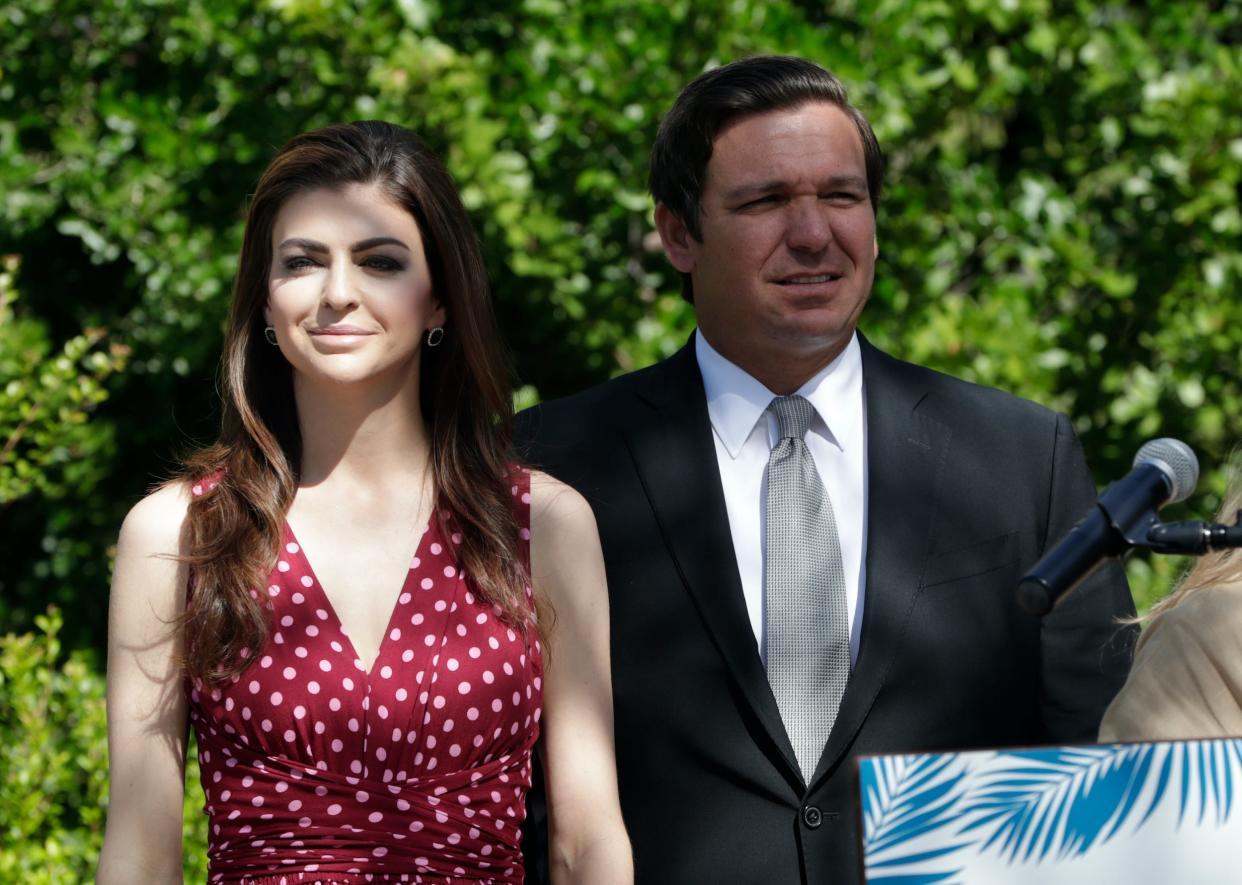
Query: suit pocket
{"points": [[975, 559]]}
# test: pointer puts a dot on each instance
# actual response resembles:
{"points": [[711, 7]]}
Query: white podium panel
{"points": [[1167, 812]]}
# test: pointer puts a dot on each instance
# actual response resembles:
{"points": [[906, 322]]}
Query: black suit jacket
{"points": [[967, 487]]}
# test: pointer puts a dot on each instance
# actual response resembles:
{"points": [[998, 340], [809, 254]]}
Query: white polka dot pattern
{"points": [[318, 771]]}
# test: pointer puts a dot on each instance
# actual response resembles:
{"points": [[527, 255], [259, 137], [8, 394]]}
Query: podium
{"points": [[1167, 812]]}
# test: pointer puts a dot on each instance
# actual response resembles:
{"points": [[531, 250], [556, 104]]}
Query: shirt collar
{"points": [[736, 400]]}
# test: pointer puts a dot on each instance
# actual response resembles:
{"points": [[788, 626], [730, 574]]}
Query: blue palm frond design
{"points": [[1059, 801], [912, 879], [1031, 806], [1201, 768], [904, 799], [1230, 752], [1206, 766]]}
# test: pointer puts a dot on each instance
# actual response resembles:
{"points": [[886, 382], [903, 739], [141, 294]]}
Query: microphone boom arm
{"points": [[1194, 536]]}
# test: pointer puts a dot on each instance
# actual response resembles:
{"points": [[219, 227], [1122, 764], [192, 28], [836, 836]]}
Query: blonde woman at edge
{"points": [[1186, 681]]}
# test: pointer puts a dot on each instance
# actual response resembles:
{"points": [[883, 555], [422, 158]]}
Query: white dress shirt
{"points": [[745, 433]]}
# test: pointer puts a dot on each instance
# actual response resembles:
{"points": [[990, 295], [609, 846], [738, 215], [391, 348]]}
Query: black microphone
{"points": [[1165, 471]]}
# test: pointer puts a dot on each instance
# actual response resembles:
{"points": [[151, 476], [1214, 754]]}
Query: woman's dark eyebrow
{"points": [[307, 245], [360, 246], [373, 242]]}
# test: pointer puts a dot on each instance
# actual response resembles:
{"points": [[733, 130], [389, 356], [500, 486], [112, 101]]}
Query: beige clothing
{"points": [[1186, 681]]}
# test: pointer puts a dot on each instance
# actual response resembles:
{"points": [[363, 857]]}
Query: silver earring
{"points": [[270, 334], [435, 336]]}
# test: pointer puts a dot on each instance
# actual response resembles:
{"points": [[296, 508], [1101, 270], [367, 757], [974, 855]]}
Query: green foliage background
{"points": [[1062, 220]]}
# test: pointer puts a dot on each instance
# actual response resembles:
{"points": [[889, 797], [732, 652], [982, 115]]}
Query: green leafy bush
{"points": [[54, 766], [1061, 218], [46, 400]]}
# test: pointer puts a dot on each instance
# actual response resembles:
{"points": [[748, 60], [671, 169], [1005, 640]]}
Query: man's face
{"points": [[788, 245]]}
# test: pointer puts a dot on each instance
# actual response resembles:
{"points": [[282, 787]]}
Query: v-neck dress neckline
{"points": [[296, 551]]}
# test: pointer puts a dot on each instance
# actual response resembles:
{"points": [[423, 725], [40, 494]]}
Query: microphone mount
{"points": [[1193, 537]]}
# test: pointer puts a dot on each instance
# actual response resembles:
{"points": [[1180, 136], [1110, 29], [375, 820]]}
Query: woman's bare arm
{"points": [[147, 717], [587, 838]]}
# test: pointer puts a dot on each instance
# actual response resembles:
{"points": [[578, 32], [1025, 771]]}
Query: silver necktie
{"points": [[806, 620]]}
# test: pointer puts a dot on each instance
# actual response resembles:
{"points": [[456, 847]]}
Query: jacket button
{"points": [[812, 817]]}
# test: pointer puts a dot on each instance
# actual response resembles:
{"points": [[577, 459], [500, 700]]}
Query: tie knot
{"points": [[793, 415]]}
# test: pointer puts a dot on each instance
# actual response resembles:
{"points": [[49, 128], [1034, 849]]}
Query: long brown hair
{"points": [[1217, 567], [233, 531]]}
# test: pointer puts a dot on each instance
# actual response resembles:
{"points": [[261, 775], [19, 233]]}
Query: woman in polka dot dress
{"points": [[342, 596]]}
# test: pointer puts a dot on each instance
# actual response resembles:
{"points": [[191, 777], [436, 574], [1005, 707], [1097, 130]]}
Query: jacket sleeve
{"points": [[1085, 648]]}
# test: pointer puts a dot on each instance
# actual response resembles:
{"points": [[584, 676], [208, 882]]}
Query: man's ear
{"points": [[679, 244]]}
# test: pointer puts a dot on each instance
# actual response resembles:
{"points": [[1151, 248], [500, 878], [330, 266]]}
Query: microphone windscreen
{"points": [[1176, 461]]}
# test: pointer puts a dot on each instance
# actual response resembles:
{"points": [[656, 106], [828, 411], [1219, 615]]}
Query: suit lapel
{"points": [[905, 458], [675, 456]]}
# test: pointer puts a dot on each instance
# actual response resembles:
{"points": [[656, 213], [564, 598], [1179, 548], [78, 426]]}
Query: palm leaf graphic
{"points": [[912, 879], [1205, 768], [1059, 801], [904, 799], [1053, 802]]}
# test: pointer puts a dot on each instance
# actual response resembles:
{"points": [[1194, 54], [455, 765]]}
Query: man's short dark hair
{"points": [[720, 96]]}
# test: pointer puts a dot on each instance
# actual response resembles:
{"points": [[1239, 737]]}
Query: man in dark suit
{"points": [[744, 598]]}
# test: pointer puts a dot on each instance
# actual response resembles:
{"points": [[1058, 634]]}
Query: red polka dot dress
{"points": [[316, 770]]}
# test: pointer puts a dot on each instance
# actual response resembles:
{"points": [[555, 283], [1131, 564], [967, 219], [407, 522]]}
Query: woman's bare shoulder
{"points": [[558, 503], [154, 524]]}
